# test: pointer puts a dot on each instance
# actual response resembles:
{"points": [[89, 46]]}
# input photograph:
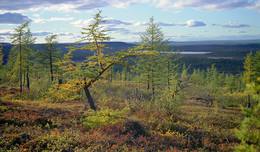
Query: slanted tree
{"points": [[17, 52], [94, 67]]}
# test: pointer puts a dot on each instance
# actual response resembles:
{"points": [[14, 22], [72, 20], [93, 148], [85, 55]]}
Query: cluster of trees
{"points": [[153, 63], [24, 61]]}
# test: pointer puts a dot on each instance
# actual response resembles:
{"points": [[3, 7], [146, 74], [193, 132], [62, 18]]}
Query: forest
{"points": [[146, 97]]}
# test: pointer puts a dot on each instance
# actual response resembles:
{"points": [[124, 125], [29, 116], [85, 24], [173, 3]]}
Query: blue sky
{"points": [[180, 20]]}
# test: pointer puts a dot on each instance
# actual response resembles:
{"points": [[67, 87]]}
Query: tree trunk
{"points": [[28, 81], [111, 74], [90, 99], [148, 82], [51, 67], [168, 75], [248, 101], [152, 82], [20, 66]]}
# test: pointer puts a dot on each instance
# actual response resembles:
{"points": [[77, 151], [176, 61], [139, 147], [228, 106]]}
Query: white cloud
{"points": [[211, 5], [82, 23], [75, 5], [62, 8], [6, 32], [38, 20], [60, 19], [53, 19], [193, 23], [231, 25], [41, 33]]}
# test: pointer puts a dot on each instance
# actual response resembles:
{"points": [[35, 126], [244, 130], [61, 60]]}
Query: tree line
{"points": [[151, 63]]}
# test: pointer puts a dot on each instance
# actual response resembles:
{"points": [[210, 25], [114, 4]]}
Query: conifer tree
{"points": [[248, 75], [17, 52], [230, 83], [1, 62], [152, 65], [256, 68], [51, 53], [1, 56], [28, 54], [94, 67]]}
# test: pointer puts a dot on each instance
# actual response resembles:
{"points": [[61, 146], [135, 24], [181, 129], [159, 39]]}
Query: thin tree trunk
{"points": [[24, 78], [28, 80], [248, 101], [168, 78], [51, 67], [148, 82], [111, 74], [90, 99], [153, 82], [20, 53]]}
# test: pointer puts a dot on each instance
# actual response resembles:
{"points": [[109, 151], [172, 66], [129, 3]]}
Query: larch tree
{"points": [[51, 53], [28, 55], [256, 68], [1, 56], [248, 75], [94, 67], [17, 51], [155, 40], [1, 62]]}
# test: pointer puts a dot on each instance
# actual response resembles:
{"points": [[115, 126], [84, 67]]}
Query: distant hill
{"points": [[227, 55], [78, 55]]}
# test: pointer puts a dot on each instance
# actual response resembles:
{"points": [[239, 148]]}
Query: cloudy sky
{"points": [[180, 20]]}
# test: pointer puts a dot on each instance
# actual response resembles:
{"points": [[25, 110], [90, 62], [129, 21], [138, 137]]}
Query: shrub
{"points": [[249, 134], [104, 116], [63, 92]]}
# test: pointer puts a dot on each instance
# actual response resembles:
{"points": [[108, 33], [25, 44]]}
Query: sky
{"points": [[179, 20]]}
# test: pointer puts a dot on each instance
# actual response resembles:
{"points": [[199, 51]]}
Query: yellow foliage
{"points": [[64, 92]]}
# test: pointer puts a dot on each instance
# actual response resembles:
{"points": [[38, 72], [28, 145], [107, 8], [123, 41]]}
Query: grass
{"points": [[129, 124]]}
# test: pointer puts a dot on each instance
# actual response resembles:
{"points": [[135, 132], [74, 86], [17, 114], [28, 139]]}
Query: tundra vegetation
{"points": [[50, 103]]}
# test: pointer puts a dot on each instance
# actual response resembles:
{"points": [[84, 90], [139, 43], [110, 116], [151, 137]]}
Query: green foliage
{"points": [[1, 56], [3, 108], [50, 56], [249, 134], [157, 68], [248, 66], [21, 56], [105, 116], [167, 101]]}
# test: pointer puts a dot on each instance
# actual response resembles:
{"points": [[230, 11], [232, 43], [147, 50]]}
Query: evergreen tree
{"points": [[212, 79], [1, 56], [1, 63], [249, 132], [230, 83], [51, 54], [28, 54], [153, 66], [17, 52], [248, 75], [256, 69]]}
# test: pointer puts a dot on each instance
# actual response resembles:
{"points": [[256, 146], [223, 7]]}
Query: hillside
{"points": [[227, 55]]}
